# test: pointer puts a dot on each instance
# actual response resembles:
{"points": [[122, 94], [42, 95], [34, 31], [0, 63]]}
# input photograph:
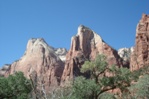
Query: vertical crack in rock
{"points": [[140, 55], [43, 59], [85, 46]]}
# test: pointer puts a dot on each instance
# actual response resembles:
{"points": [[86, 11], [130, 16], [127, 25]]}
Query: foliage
{"points": [[83, 87], [107, 95], [140, 90], [103, 79], [14, 87], [99, 64], [61, 93]]}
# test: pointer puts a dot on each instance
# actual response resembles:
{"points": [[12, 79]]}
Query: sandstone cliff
{"points": [[51, 67], [85, 46], [41, 62], [140, 55]]}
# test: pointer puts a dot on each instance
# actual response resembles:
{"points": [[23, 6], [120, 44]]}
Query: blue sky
{"points": [[57, 20]]}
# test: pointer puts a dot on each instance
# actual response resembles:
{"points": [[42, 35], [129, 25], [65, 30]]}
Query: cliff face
{"points": [[52, 67], [49, 66], [85, 46], [41, 63], [140, 55]]}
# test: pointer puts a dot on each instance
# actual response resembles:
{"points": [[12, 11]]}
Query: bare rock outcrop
{"points": [[61, 53], [125, 54], [4, 69], [85, 46], [140, 55], [40, 62]]}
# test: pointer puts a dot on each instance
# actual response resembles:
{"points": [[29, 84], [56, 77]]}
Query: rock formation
{"points": [[140, 55], [85, 46], [52, 67], [61, 53], [41, 63], [125, 54], [4, 69]]}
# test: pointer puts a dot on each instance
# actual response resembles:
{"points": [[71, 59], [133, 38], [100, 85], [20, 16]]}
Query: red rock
{"points": [[85, 46], [41, 62], [140, 55]]}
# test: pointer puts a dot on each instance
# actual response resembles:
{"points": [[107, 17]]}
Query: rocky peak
{"points": [[140, 56], [85, 40], [61, 52], [35, 45], [42, 60], [125, 53], [85, 46]]}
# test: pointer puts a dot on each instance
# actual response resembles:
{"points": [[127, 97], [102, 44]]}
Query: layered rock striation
{"points": [[52, 67], [85, 46], [61, 53], [41, 63], [140, 55]]}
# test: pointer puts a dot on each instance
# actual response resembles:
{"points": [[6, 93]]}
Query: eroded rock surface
{"points": [[85, 46], [125, 54], [40, 61], [140, 55], [61, 53]]}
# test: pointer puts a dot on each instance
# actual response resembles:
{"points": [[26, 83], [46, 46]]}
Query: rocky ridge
{"points": [[53, 67], [85, 46], [41, 63]]}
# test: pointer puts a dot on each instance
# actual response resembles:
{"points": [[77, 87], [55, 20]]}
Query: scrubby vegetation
{"points": [[105, 82], [108, 82]]}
